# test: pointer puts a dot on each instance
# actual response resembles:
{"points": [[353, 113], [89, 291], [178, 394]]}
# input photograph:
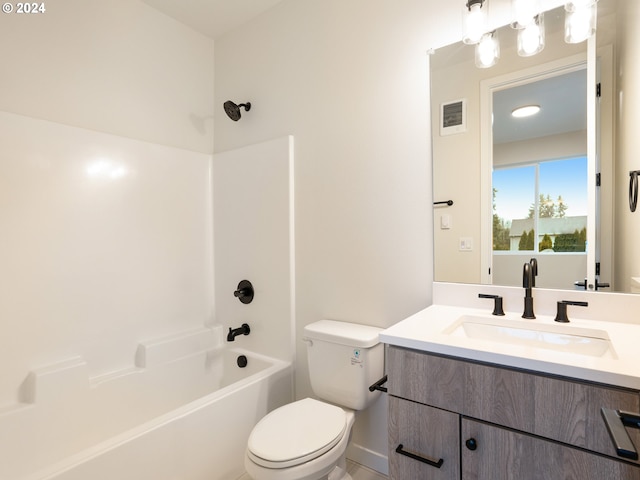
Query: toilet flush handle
{"points": [[378, 385]]}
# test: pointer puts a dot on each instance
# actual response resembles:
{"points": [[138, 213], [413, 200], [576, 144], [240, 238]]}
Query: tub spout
{"points": [[234, 332]]}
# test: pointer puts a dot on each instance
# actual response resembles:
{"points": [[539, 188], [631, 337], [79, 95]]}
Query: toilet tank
{"points": [[344, 359]]}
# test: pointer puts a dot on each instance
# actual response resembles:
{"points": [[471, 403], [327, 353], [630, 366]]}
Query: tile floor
{"points": [[358, 472]]}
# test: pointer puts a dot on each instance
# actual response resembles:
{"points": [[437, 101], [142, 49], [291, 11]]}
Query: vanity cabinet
{"points": [[490, 422], [430, 433]]}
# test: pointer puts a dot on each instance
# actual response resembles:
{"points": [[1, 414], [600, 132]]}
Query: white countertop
{"points": [[428, 331]]}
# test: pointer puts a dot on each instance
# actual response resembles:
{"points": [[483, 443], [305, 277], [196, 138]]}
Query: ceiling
{"points": [[563, 108], [212, 18]]}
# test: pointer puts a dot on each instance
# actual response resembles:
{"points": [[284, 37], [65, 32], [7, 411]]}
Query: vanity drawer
{"points": [[429, 379], [552, 407], [557, 408], [423, 434], [532, 458]]}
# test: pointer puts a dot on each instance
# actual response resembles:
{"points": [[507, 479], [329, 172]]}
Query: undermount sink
{"points": [[530, 334]]}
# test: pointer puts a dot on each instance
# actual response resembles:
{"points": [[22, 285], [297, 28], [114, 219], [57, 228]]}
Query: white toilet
{"points": [[307, 439]]}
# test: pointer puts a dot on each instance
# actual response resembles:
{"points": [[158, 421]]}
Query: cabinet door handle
{"points": [[420, 458], [615, 425]]}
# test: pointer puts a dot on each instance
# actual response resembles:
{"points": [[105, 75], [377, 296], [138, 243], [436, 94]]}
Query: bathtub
{"points": [[183, 412]]}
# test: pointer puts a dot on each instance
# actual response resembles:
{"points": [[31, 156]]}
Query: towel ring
{"points": [[633, 189]]}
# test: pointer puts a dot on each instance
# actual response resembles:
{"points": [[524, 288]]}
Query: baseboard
{"points": [[370, 459]]}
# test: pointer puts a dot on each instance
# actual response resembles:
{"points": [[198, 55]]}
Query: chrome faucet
{"points": [[527, 284]]}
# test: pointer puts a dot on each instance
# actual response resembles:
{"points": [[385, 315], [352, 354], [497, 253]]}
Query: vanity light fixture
{"points": [[531, 37], [580, 20], [524, 12], [488, 50], [525, 111], [529, 21], [475, 22]]}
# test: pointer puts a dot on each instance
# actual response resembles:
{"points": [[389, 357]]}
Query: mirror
{"points": [[468, 246]]}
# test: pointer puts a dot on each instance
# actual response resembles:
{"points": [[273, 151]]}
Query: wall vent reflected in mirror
{"points": [[453, 117]]}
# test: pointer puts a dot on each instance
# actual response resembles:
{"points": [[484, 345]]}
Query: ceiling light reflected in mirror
{"points": [[525, 111]]}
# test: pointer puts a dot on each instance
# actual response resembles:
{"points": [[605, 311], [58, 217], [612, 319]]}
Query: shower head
{"points": [[233, 110]]}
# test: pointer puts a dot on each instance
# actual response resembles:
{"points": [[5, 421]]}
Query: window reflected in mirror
{"points": [[541, 207]]}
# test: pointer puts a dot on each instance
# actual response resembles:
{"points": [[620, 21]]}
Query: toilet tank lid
{"points": [[343, 333]]}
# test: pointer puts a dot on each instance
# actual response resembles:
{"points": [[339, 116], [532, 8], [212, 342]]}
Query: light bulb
{"points": [[475, 21], [580, 20], [487, 51], [531, 38]]}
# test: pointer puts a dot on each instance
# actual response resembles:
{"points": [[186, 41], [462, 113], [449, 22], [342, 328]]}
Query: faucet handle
{"points": [[245, 292], [497, 303], [561, 315]]}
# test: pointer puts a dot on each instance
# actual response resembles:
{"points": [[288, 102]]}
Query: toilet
{"points": [[307, 439]]}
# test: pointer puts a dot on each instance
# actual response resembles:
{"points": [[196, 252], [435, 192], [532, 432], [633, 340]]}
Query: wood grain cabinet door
{"points": [[424, 433], [502, 454]]}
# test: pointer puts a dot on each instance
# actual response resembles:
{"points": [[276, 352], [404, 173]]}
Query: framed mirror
{"points": [[524, 188]]}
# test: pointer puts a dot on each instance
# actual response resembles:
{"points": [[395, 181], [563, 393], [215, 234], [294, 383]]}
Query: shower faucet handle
{"points": [[245, 292]]}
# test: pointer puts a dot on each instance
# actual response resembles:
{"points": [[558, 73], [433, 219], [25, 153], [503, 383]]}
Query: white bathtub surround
{"points": [[185, 416], [253, 199], [105, 241]]}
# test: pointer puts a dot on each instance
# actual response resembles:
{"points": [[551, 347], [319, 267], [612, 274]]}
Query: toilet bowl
{"points": [[307, 439], [304, 440]]}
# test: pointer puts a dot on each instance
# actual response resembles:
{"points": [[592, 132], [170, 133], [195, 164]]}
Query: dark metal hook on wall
{"points": [[633, 189]]}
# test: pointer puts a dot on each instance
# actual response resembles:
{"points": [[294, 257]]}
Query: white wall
{"points": [[627, 255], [105, 224], [349, 81], [119, 67], [563, 145], [555, 270]]}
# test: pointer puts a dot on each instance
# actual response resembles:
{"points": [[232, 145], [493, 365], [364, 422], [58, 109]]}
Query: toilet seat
{"points": [[296, 433]]}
